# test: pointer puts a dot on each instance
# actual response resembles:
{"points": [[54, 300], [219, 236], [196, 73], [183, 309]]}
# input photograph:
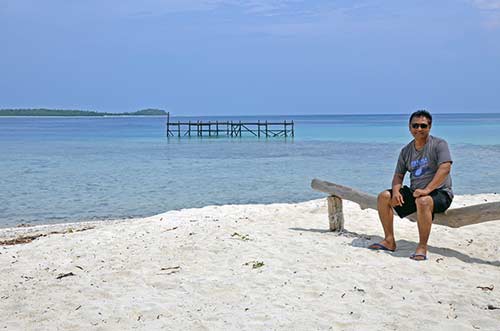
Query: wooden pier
{"points": [[229, 129]]}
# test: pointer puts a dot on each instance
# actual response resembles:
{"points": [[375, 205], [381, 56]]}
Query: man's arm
{"points": [[397, 182], [440, 176]]}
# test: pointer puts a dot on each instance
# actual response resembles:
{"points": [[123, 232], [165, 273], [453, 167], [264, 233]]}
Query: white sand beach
{"points": [[250, 267]]}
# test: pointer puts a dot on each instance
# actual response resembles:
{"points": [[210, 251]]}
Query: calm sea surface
{"points": [[56, 170]]}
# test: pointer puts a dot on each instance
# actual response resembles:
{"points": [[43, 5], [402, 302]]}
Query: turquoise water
{"points": [[71, 169]]}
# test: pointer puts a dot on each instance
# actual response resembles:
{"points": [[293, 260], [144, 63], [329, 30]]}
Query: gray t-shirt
{"points": [[423, 164]]}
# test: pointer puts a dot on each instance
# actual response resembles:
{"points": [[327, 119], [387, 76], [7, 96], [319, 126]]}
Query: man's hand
{"points": [[421, 192], [397, 199]]}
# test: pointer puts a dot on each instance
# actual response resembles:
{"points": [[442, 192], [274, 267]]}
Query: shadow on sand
{"points": [[405, 247]]}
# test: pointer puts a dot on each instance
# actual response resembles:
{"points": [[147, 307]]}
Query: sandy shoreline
{"points": [[251, 267]]}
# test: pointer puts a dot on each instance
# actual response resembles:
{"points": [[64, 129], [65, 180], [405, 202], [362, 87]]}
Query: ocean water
{"points": [[55, 170]]}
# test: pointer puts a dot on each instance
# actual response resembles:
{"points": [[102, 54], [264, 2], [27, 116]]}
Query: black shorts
{"points": [[441, 198]]}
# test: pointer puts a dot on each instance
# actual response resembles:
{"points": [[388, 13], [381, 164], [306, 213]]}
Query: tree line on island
{"points": [[66, 112]]}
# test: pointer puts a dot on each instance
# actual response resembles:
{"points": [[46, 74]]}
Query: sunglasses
{"points": [[416, 125]]}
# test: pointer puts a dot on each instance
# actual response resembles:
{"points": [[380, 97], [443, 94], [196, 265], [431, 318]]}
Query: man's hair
{"points": [[422, 113]]}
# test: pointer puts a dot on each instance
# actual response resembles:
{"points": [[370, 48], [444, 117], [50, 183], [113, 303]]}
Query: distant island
{"points": [[65, 112]]}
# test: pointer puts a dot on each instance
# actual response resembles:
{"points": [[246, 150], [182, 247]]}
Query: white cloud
{"points": [[159, 7], [487, 4], [99, 8], [490, 9], [265, 7], [250, 7]]}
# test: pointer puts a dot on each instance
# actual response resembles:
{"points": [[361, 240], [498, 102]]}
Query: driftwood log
{"points": [[454, 218]]}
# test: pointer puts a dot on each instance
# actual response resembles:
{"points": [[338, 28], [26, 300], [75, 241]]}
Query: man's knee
{"points": [[384, 196], [424, 203]]}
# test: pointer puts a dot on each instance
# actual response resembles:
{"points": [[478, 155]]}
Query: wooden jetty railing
{"points": [[229, 129]]}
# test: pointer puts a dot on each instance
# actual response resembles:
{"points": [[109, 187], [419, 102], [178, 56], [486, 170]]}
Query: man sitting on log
{"points": [[428, 160]]}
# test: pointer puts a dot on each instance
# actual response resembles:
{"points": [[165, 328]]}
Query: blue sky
{"points": [[219, 57]]}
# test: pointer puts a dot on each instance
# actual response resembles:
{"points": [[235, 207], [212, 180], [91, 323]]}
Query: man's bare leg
{"points": [[425, 206], [386, 216]]}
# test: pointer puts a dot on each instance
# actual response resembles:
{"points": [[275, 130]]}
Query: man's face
{"points": [[420, 127]]}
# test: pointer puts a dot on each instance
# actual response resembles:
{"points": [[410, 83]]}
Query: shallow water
{"points": [[70, 169]]}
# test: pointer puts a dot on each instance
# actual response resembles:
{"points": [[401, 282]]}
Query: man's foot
{"points": [[418, 257], [420, 254], [383, 246]]}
